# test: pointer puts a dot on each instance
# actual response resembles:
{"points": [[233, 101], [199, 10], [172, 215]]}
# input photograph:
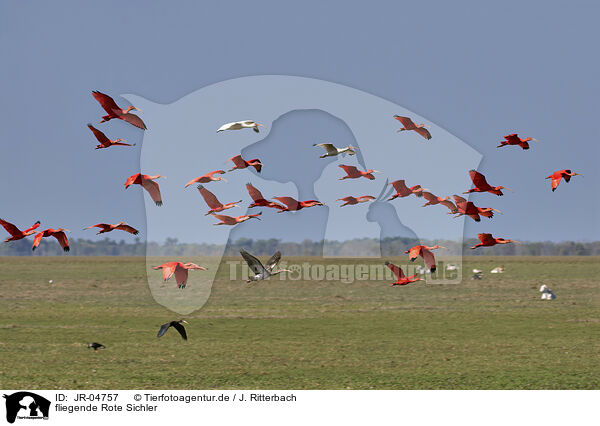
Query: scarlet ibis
{"points": [[240, 163], [262, 272], [433, 199], [59, 234], [404, 191], [333, 151], [258, 200], [180, 270], [481, 184], [147, 182], [107, 227], [401, 279], [238, 125], [450, 205], [557, 176], [114, 111], [234, 220], [177, 325], [426, 253], [350, 201], [294, 205], [410, 125], [212, 201], [95, 346], [207, 178], [104, 141], [514, 139], [16, 233], [353, 173], [467, 208], [487, 241]]}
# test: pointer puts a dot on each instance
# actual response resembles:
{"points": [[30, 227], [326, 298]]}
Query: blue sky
{"points": [[478, 71]]}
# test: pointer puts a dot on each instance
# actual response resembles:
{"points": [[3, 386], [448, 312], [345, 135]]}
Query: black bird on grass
{"points": [[96, 346], [176, 325]]}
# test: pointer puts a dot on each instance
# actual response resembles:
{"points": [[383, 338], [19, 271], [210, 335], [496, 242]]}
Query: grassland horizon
{"points": [[495, 333]]}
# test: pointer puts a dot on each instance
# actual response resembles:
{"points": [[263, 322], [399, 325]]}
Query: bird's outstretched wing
{"points": [[239, 161], [134, 120], [163, 329], [181, 329], [128, 228], [349, 169], [291, 203], [154, 191], [36, 240], [449, 204], [253, 262], [224, 218], [10, 228], [406, 122], [168, 269], [478, 179], [32, 227], [209, 197], [329, 147], [399, 186], [429, 196], [255, 194], [398, 272], [414, 252], [423, 132], [99, 135], [459, 200], [62, 239], [273, 261], [486, 238], [429, 259], [106, 102]]}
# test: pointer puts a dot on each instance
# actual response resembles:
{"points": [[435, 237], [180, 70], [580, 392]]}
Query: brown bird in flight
{"points": [[207, 178], [259, 201], [404, 191], [401, 279], [240, 163], [487, 241], [293, 205], [351, 201], [107, 227], [114, 111], [16, 233], [561, 174], [410, 125], [353, 173], [59, 234], [234, 220], [481, 184], [147, 182], [104, 141], [514, 139], [426, 253], [212, 201], [180, 270]]}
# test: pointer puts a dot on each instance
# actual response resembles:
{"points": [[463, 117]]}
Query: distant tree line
{"points": [[350, 248]]}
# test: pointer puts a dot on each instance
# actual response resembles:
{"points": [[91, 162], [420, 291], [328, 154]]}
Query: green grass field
{"points": [[489, 334]]}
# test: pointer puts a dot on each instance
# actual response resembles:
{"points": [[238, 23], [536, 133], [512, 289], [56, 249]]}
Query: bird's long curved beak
{"points": [[496, 210], [184, 321], [518, 242], [508, 189], [259, 124], [577, 174], [137, 109], [224, 180]]}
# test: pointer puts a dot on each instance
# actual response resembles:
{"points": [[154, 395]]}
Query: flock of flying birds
{"points": [[457, 206]]}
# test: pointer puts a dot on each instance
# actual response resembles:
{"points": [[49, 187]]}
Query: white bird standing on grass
{"points": [[333, 151], [239, 125]]}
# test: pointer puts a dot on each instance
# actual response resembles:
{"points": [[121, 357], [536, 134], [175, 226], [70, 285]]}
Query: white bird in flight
{"points": [[332, 150], [238, 125]]}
